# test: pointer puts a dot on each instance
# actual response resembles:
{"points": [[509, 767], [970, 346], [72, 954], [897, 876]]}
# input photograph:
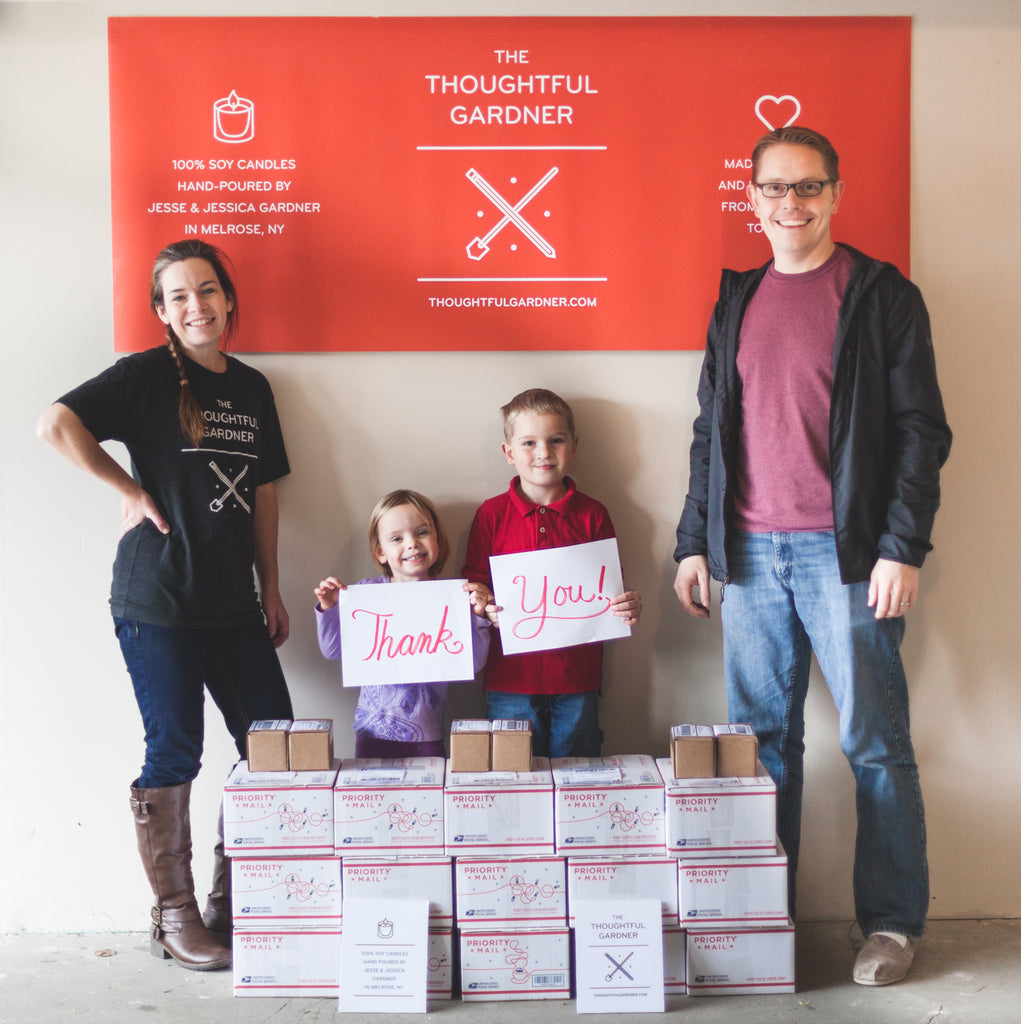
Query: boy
{"points": [[557, 691]]}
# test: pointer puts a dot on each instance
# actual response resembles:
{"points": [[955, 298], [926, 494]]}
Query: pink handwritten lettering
{"points": [[386, 645], [571, 598]]}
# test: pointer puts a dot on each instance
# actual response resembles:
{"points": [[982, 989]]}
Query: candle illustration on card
{"points": [[233, 119]]}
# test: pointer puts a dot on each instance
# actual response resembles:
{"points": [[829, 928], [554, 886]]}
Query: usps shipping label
{"points": [[516, 891], [509, 965], [296, 892]]}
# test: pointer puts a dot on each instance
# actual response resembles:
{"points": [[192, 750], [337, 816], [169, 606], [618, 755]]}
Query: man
{"points": [[814, 480]]}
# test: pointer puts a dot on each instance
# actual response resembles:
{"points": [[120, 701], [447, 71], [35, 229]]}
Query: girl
{"points": [[408, 543], [200, 508]]}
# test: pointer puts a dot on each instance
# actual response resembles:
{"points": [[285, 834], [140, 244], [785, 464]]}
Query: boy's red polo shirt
{"points": [[510, 523]]}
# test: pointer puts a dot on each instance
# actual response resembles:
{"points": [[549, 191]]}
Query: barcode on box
{"points": [[548, 981]]}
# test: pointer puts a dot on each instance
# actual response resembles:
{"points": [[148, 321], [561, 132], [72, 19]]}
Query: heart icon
{"points": [[777, 100]]}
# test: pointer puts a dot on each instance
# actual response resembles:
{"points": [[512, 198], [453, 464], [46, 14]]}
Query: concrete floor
{"points": [[966, 972]]}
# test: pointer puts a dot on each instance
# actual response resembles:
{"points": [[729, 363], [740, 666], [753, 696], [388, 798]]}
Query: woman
{"points": [[198, 510]]}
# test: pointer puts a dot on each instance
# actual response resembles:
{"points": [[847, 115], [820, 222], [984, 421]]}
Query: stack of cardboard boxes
{"points": [[501, 845], [388, 821], [286, 884], [611, 826], [509, 886], [731, 871]]}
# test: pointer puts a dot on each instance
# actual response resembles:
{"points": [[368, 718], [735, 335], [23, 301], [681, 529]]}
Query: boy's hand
{"points": [[628, 606], [327, 592], [483, 602], [481, 598]]}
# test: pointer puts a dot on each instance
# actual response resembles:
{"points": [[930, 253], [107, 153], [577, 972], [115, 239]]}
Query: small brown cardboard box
{"points": [[512, 745], [310, 744], [469, 745], [267, 745], [737, 752], [693, 751]]}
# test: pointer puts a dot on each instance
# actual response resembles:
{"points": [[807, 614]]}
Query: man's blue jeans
{"points": [[563, 724], [783, 600], [171, 668]]}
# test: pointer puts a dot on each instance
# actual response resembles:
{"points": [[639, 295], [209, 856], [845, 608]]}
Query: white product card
{"points": [[618, 956], [384, 956], [558, 597], [405, 633]]}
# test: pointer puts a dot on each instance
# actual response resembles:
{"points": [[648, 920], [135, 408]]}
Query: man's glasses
{"points": [[804, 189]]}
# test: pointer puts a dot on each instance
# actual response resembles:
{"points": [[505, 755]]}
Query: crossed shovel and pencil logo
{"points": [[618, 967], [478, 247], [231, 489]]}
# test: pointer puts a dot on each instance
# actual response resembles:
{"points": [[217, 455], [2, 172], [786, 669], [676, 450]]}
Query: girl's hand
{"points": [[480, 596], [327, 592], [628, 606]]}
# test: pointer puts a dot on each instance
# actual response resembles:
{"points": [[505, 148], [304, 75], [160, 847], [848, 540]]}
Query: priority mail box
{"points": [[608, 804], [710, 817], [499, 813], [524, 964], [510, 892], [439, 981], [645, 876], [273, 814], [383, 805], [296, 892], [675, 968], [740, 961], [403, 878], [287, 963], [739, 890]]}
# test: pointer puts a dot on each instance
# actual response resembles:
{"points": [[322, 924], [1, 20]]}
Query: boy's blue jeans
{"points": [[784, 600], [170, 670], [563, 724]]}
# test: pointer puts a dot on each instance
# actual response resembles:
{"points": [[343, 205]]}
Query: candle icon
{"points": [[233, 119], [385, 928]]}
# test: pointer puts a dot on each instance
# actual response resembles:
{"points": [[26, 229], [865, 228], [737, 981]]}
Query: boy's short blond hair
{"points": [[395, 499], [538, 401]]}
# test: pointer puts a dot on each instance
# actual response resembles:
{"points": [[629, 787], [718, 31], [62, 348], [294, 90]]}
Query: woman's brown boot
{"points": [[218, 915], [163, 829]]}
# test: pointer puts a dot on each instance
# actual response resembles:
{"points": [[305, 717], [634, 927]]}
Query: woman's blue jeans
{"points": [[171, 669], [784, 600]]}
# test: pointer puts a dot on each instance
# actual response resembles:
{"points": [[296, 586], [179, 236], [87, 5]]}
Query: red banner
{"points": [[485, 183]]}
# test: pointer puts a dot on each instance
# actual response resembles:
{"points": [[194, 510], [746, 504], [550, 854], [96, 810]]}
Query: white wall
{"points": [[70, 737]]}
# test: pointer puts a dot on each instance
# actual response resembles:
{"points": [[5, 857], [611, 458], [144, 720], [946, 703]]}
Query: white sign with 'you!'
{"points": [[559, 597]]}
